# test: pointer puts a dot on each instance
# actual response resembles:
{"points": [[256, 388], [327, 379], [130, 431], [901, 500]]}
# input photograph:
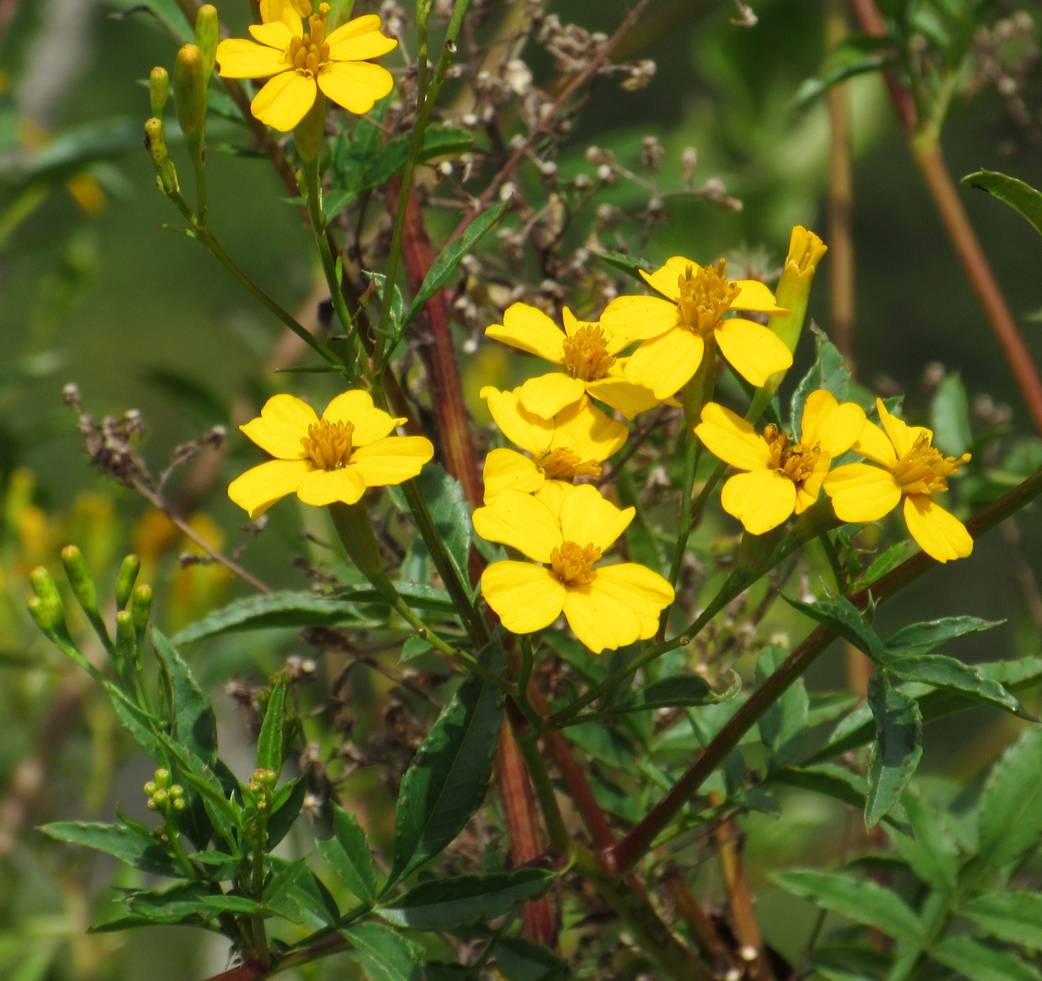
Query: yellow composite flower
{"points": [[565, 533], [301, 64], [691, 312], [781, 476], [572, 444], [326, 460], [910, 467], [587, 353]]}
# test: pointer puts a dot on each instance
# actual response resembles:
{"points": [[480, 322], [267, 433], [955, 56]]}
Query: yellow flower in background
{"points": [[325, 460], [910, 467], [587, 354], [301, 64], [781, 476], [692, 312], [565, 534], [572, 444]]}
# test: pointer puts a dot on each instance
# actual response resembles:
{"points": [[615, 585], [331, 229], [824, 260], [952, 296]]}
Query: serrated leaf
{"points": [[931, 850], [1021, 197], [783, 724], [1015, 917], [970, 958], [384, 954], [128, 843], [951, 674], [846, 620], [950, 417], [448, 509], [285, 807], [283, 881], [271, 741], [348, 854], [921, 638], [897, 749], [860, 900], [446, 781], [681, 690], [446, 904], [521, 960], [153, 907], [829, 371], [194, 722]]}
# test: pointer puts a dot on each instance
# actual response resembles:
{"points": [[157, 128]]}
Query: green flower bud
{"points": [[151, 804], [126, 638], [190, 79], [128, 571], [160, 796], [44, 586], [163, 777], [177, 791], [151, 787], [158, 90], [207, 31], [49, 617], [179, 804], [83, 587], [155, 142], [141, 606]]}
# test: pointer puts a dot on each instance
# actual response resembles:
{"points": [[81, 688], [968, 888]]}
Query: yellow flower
{"points": [[586, 351], [334, 458], [301, 64], [675, 330], [566, 532], [572, 444], [909, 467], [781, 477]]}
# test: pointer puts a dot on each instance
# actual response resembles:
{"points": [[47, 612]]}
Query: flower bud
{"points": [[177, 791], [128, 570], [155, 142], [48, 616], [83, 587], [141, 607], [160, 797], [151, 787], [207, 30], [126, 638], [179, 804], [162, 776], [158, 90], [44, 586], [190, 90]]}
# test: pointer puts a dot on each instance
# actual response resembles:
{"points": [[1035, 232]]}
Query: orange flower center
{"points": [[705, 296], [586, 354], [924, 469], [796, 461], [328, 444], [565, 464], [309, 53], [573, 564]]}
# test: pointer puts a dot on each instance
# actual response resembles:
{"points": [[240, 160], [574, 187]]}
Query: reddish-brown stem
{"points": [[689, 908]]}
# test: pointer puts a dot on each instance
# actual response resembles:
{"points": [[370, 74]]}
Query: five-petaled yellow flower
{"points": [[326, 460], [587, 354], [781, 476], [693, 313], [909, 467], [300, 64], [572, 444], [566, 530]]}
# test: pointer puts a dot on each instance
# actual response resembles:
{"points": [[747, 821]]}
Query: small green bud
{"points": [[158, 90], [179, 804], [155, 143], [126, 637], [190, 90], [151, 804], [151, 787], [141, 606], [50, 618], [44, 586], [83, 587], [163, 777], [128, 570], [177, 791], [160, 796], [207, 31]]}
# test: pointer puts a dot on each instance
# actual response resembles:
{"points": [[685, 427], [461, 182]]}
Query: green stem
{"points": [[837, 567], [560, 839]]}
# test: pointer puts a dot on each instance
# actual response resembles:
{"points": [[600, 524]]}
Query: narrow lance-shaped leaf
{"points": [[271, 740], [1025, 200], [129, 843], [950, 417], [846, 620], [1015, 917], [924, 637], [384, 954], [349, 856], [951, 674], [194, 722], [897, 749], [970, 958]]}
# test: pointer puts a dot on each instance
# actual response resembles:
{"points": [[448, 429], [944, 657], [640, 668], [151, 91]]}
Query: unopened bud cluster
{"points": [[163, 794], [261, 785]]}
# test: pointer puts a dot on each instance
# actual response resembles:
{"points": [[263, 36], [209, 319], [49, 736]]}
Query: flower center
{"points": [[328, 444], [924, 469], [309, 53], [705, 296], [573, 564], [795, 461], [565, 464], [586, 354]]}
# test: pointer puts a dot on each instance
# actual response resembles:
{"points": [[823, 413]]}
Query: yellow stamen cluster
{"points": [[924, 469], [565, 464], [586, 354], [308, 54], [705, 296], [796, 461], [328, 444], [573, 564]]}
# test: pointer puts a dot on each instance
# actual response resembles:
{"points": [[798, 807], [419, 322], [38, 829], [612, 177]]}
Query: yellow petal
{"points": [[284, 100], [623, 396], [639, 588], [809, 490], [589, 518], [391, 460], [239, 58], [833, 426], [355, 85], [526, 597], [275, 34], [588, 432], [875, 444], [938, 532], [359, 40], [508, 470], [260, 487], [529, 329], [553, 494], [666, 363], [522, 428], [760, 500], [901, 434], [356, 407], [730, 438], [519, 521], [754, 352], [572, 325], [639, 317], [860, 492], [666, 279], [598, 620], [756, 296], [285, 10], [320, 488], [283, 422], [546, 395]]}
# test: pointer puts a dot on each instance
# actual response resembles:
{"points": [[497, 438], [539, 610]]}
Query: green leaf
{"points": [[931, 850], [970, 958], [950, 417], [445, 264], [629, 264], [1015, 917], [445, 904], [897, 749], [829, 371], [384, 954], [860, 900], [685, 689], [951, 674], [146, 907], [271, 741], [449, 512], [285, 807], [1021, 197], [921, 638], [855, 55], [167, 12], [521, 960], [348, 854], [846, 620], [446, 781], [129, 843], [283, 882], [194, 723], [782, 725], [223, 814]]}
